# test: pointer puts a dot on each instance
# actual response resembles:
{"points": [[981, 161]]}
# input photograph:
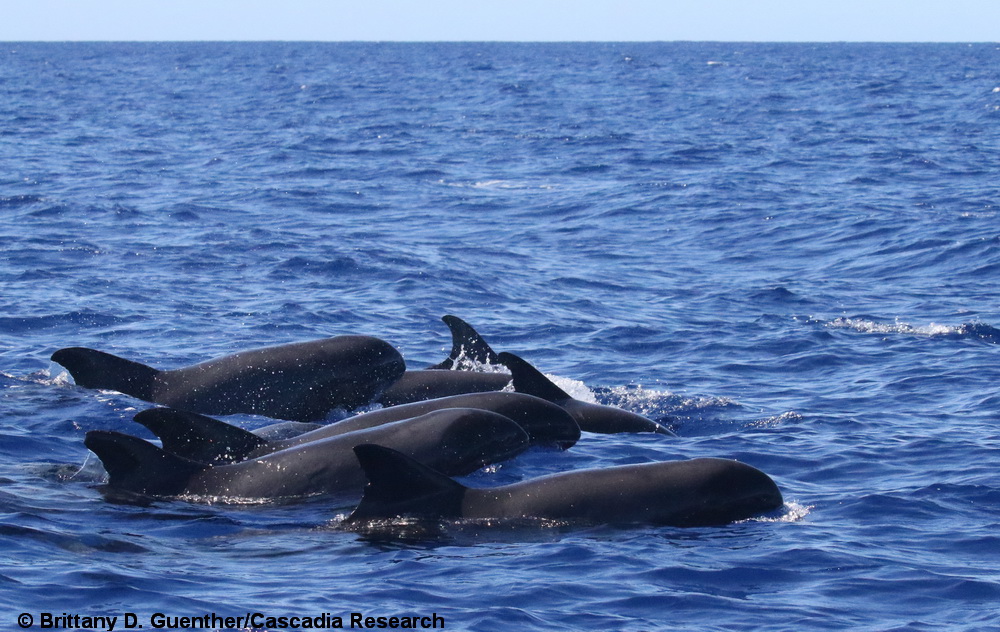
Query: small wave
{"points": [[974, 331], [776, 420], [980, 331], [657, 404], [73, 542], [790, 512], [874, 327], [61, 378], [17, 201], [427, 530], [92, 471], [81, 318], [298, 265], [703, 403], [638, 399], [44, 377], [253, 501], [776, 293], [495, 184]]}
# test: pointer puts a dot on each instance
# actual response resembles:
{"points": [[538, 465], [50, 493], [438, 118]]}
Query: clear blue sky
{"points": [[503, 20]]}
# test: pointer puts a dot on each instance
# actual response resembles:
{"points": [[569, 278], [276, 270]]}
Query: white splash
{"points": [[699, 403], [223, 499], [791, 512], [574, 388], [776, 420], [654, 403], [465, 363], [44, 377], [872, 327], [495, 184]]}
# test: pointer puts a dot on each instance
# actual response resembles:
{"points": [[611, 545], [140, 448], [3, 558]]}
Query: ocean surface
{"points": [[788, 253]]}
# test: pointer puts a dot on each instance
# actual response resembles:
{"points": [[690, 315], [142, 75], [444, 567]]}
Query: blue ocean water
{"points": [[789, 253]]}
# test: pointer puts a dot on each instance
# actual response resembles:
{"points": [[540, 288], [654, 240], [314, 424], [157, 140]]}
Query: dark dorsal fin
{"points": [[139, 466], [531, 381], [466, 343], [400, 486], [95, 369], [198, 437]]}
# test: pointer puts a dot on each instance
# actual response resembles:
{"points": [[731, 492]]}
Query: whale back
{"points": [[685, 493], [301, 381], [417, 386], [696, 492]]}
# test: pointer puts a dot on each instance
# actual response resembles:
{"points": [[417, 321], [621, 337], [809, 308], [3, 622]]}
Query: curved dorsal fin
{"points": [[466, 344], [139, 466], [531, 381], [199, 438], [96, 369], [400, 486]]}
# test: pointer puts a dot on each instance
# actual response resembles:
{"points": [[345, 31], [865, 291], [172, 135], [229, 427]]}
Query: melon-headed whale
{"points": [[302, 381], [459, 441], [697, 492]]}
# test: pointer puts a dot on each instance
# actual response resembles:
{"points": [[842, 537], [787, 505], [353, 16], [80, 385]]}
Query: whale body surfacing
{"points": [[301, 381], [696, 492], [457, 440]]}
